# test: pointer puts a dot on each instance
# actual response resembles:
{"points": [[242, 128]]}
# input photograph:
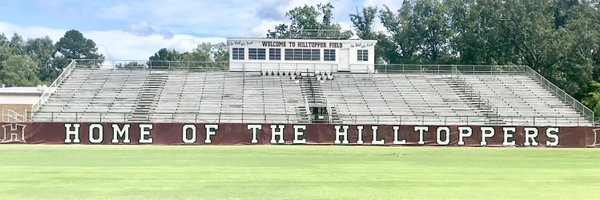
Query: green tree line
{"points": [[204, 56], [40, 60]]}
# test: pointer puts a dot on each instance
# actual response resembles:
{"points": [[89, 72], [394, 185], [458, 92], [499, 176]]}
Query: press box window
{"points": [[274, 54], [362, 55], [329, 54], [303, 54], [237, 54], [257, 54]]}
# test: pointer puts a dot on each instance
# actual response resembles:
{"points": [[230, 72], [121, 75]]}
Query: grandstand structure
{"points": [[488, 95]]}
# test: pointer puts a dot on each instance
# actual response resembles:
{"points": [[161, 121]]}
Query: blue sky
{"points": [[135, 29]]}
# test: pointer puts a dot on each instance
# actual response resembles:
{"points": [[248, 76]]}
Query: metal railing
{"points": [[317, 34], [210, 66], [46, 95], [9, 115], [292, 118], [447, 69], [151, 65], [458, 76], [561, 94]]}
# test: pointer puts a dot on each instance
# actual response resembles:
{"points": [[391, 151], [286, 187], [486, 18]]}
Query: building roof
{"points": [[22, 90]]}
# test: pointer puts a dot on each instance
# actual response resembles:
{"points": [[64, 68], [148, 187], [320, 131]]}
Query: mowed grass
{"points": [[296, 172]]}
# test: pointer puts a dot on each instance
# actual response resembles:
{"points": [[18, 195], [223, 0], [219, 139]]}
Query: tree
{"points": [[205, 56], [74, 46], [304, 23], [420, 30], [164, 58], [19, 70], [130, 65], [221, 53], [40, 50], [363, 22], [401, 46]]}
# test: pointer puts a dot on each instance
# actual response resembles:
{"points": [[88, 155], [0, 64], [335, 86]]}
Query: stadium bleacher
{"points": [[118, 95]]}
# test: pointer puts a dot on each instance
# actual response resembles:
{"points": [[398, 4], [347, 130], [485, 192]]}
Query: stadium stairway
{"points": [[311, 90], [468, 95], [149, 96]]}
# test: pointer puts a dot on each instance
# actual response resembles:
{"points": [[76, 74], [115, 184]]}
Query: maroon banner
{"points": [[237, 133]]}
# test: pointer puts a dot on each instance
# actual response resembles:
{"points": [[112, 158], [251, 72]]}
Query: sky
{"points": [[136, 29]]}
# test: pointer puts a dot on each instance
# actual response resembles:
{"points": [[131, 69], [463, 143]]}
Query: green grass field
{"points": [[296, 172]]}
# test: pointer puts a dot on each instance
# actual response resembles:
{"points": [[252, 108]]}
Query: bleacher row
{"points": [[109, 95], [228, 97], [392, 98]]}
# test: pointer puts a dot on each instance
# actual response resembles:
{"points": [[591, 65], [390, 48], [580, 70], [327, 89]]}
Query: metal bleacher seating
{"points": [[520, 100], [228, 97], [115, 95], [398, 98], [94, 95]]}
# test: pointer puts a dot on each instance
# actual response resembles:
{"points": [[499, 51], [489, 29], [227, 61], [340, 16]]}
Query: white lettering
{"points": [[299, 131], [339, 132], [254, 129], [509, 134], [186, 139], [375, 141], [100, 131], [486, 132], [275, 133], [146, 133], [552, 133], [210, 131], [121, 133], [464, 132], [446, 131], [397, 136], [530, 135], [74, 132], [360, 134], [422, 130]]}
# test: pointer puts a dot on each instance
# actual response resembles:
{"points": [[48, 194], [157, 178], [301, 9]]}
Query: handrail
{"points": [[46, 94], [445, 69], [565, 97], [466, 119], [459, 75], [9, 115]]}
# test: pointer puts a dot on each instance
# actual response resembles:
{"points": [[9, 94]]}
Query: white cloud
{"points": [[118, 44], [30, 32], [264, 26]]}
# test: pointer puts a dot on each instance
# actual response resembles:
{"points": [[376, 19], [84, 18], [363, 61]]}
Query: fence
{"points": [[293, 118], [448, 69]]}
